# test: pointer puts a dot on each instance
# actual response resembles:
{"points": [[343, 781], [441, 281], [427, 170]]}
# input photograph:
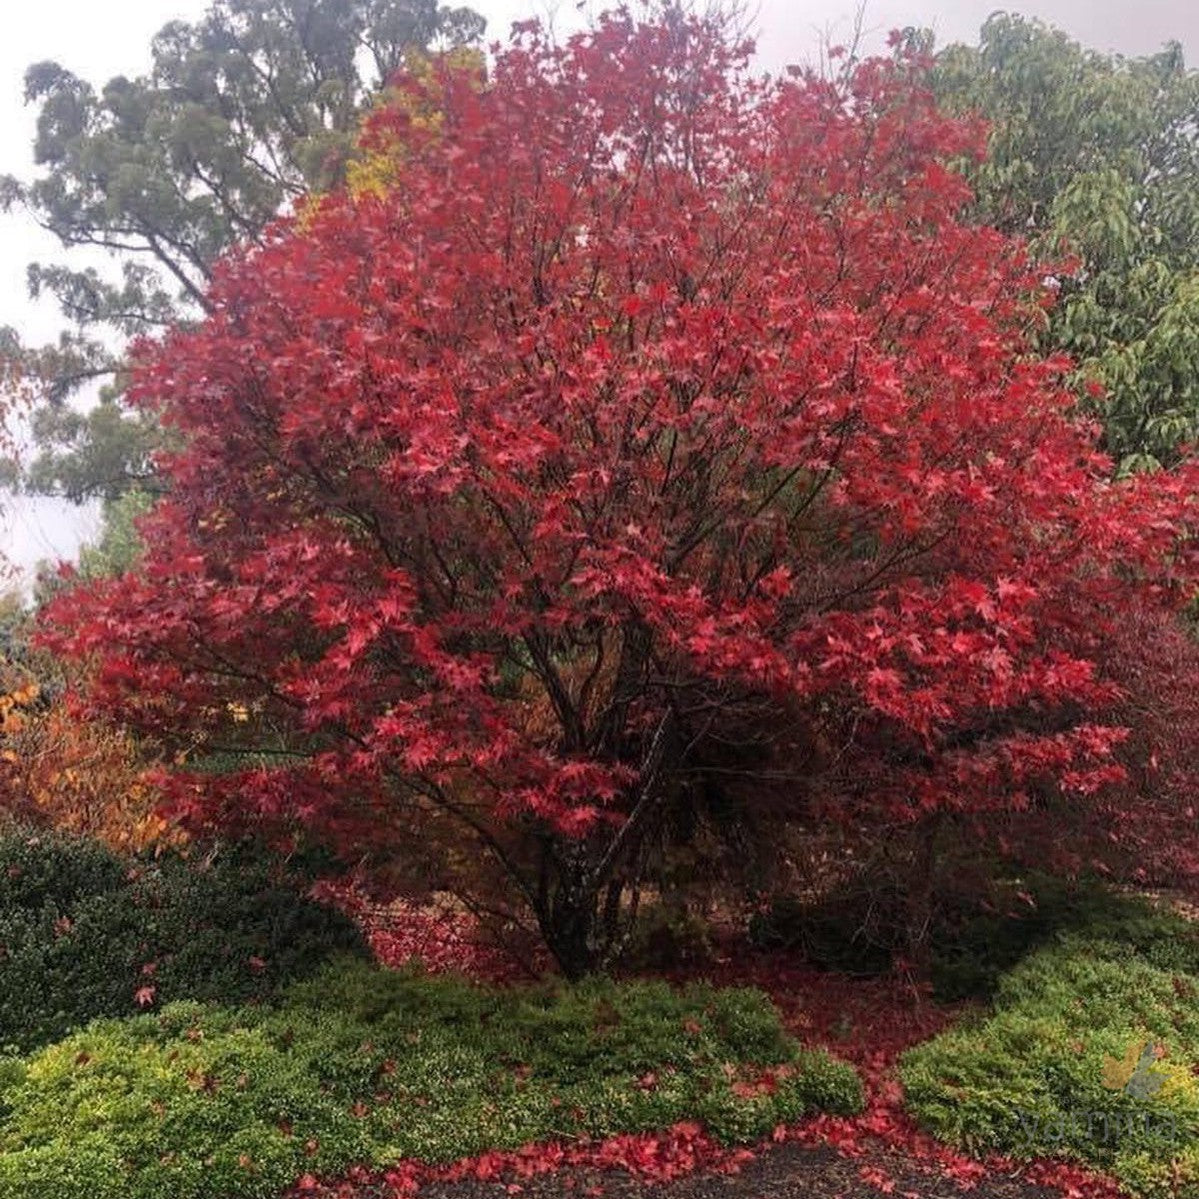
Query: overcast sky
{"points": [[101, 40]]}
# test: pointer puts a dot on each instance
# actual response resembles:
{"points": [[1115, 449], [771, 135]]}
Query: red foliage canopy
{"points": [[659, 423]]}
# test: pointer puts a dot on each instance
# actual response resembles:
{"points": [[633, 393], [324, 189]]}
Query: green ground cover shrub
{"points": [[364, 1065], [1090, 1052], [83, 932]]}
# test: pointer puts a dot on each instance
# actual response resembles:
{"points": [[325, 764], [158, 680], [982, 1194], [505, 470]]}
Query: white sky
{"points": [[97, 41]]}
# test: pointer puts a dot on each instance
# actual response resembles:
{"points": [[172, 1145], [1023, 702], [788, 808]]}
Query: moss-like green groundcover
{"points": [[361, 1065], [1090, 1052]]}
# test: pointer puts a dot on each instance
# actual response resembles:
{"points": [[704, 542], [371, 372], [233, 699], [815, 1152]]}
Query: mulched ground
{"points": [[785, 1172]]}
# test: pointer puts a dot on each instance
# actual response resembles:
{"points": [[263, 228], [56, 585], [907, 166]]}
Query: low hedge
{"points": [[40, 869], [363, 1066], [85, 933], [1090, 1052]]}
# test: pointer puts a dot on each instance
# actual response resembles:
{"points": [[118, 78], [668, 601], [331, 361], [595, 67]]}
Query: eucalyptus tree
{"points": [[240, 114]]}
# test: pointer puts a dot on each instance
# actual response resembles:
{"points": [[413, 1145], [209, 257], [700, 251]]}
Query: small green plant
{"points": [[360, 1065], [669, 937]]}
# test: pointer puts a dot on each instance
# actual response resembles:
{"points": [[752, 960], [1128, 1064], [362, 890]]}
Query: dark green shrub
{"points": [[43, 868], [975, 936], [852, 930], [668, 937], [232, 932], [974, 948], [363, 1065], [101, 936]]}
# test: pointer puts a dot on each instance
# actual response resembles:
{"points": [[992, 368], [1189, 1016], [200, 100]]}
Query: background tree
{"points": [[58, 769], [76, 775], [240, 114], [1096, 157], [658, 435]]}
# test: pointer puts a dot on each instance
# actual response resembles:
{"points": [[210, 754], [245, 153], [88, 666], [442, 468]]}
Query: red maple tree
{"points": [[658, 426]]}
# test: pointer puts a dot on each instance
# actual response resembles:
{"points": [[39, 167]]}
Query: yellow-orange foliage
{"points": [[376, 165], [86, 777]]}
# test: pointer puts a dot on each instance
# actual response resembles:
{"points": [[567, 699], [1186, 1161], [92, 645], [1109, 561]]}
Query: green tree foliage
{"points": [[118, 547], [1095, 157], [240, 114]]}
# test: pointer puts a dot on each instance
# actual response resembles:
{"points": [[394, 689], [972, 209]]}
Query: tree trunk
{"points": [[922, 895], [582, 918]]}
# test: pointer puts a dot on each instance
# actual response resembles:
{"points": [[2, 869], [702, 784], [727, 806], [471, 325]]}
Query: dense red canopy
{"points": [[649, 404]]}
